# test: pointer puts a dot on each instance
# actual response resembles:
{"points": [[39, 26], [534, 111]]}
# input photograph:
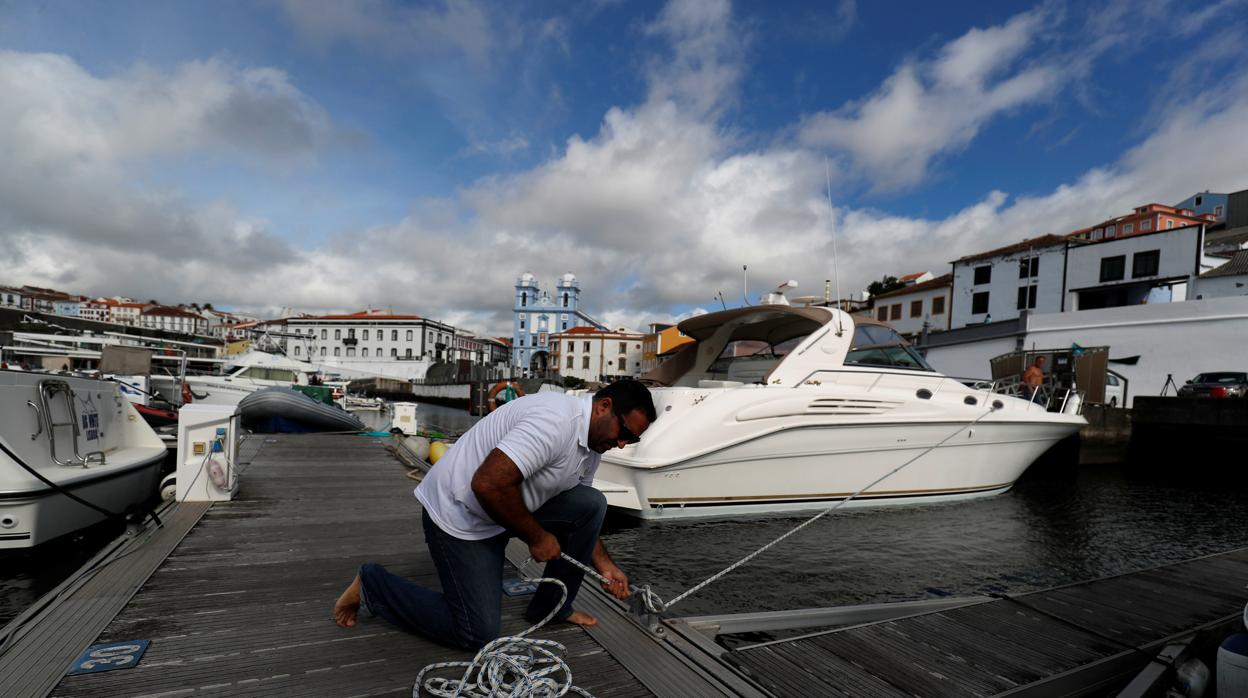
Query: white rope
{"points": [[513, 667]]}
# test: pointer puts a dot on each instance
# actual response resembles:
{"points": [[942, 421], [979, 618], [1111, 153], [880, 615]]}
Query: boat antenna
{"points": [[745, 286], [720, 297], [827, 172]]}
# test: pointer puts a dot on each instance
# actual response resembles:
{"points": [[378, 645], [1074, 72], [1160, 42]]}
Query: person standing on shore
{"points": [[525, 470]]}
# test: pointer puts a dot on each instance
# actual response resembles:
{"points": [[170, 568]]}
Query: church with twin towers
{"points": [[538, 315]]}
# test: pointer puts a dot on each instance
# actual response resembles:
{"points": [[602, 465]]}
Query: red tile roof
{"points": [[1031, 243], [170, 312], [946, 280], [915, 275], [366, 315]]}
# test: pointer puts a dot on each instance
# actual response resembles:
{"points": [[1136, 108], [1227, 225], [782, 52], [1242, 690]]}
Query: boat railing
{"points": [[48, 390], [1053, 398]]}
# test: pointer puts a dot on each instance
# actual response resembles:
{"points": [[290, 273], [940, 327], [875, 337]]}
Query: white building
{"points": [[173, 320], [999, 284], [1230, 279], [97, 310], [1158, 341], [1156, 267], [907, 309], [371, 343], [10, 297], [596, 355], [126, 313]]}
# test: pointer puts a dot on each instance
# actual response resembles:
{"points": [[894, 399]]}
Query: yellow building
{"points": [[661, 340]]}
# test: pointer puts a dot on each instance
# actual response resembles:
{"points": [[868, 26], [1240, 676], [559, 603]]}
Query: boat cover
{"points": [[280, 410]]}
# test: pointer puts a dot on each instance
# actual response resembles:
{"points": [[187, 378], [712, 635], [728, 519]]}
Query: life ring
{"points": [[500, 387], [187, 396]]}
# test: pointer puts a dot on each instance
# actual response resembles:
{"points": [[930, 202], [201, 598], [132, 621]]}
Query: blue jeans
{"points": [[468, 611]]}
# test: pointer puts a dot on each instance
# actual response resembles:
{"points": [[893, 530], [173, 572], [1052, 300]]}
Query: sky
{"points": [[328, 156]]}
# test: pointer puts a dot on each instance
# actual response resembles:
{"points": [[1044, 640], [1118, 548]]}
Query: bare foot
{"points": [[348, 605], [582, 619]]}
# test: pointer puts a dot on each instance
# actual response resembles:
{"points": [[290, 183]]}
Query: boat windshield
{"points": [[751, 360], [273, 374], [877, 345]]}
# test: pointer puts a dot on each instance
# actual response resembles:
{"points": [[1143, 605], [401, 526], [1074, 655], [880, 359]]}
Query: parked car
{"points": [[1216, 384], [1113, 390]]}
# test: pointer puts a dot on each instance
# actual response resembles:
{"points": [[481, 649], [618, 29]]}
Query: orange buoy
{"points": [[507, 390]]}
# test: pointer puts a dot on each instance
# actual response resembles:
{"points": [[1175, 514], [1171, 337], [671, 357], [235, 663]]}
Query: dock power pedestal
{"points": [[207, 453]]}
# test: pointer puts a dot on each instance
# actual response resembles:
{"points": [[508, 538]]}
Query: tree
{"points": [[884, 285], [207, 306]]}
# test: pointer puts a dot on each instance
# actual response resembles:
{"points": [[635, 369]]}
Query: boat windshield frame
{"points": [[885, 342]]}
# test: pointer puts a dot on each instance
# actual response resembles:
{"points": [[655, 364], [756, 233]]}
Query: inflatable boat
{"points": [[285, 411]]}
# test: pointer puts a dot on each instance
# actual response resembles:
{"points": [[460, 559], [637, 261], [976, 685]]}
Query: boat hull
{"points": [[50, 514], [813, 467]]}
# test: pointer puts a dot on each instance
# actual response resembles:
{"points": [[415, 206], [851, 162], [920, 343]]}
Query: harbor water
{"points": [[1058, 525]]}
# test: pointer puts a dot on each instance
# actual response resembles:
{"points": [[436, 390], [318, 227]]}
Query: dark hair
{"points": [[628, 395]]}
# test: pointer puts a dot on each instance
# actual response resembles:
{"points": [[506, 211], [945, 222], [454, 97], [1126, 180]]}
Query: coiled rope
{"points": [[512, 666]]}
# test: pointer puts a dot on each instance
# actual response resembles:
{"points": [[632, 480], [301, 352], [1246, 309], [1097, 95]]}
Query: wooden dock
{"points": [[239, 602], [1079, 639], [235, 599]]}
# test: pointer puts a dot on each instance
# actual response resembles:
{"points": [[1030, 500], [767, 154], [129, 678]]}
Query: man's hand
{"points": [[545, 547], [617, 581]]}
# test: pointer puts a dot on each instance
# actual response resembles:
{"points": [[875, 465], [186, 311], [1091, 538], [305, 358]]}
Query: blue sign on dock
{"points": [[108, 656], [514, 586]]}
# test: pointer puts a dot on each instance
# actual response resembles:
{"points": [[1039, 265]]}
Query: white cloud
{"points": [[702, 72], [657, 210], [926, 109], [57, 112]]}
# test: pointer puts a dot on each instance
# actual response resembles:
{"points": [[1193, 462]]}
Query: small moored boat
{"points": [[284, 410], [72, 451]]}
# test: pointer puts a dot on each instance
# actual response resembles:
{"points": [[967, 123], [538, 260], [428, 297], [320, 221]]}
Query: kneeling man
{"points": [[525, 470]]}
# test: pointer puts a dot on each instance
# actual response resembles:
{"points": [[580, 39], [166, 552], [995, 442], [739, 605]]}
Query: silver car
{"points": [[1231, 384]]}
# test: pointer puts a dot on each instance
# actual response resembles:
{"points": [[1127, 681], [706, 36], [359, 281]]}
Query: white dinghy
{"points": [[72, 451]]}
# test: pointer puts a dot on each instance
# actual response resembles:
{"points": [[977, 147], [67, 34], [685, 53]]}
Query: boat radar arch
{"points": [[776, 295]]}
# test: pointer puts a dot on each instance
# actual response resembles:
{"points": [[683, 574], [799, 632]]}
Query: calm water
{"points": [[1051, 529], [1056, 526]]}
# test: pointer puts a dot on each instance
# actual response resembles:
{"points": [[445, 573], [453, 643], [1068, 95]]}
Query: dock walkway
{"points": [[243, 605], [1071, 640]]}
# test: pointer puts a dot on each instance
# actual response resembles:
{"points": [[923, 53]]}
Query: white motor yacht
{"points": [[241, 376], [82, 436], [781, 408]]}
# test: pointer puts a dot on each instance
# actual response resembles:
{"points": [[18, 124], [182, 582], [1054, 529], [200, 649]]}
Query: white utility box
{"points": [[207, 453], [404, 417]]}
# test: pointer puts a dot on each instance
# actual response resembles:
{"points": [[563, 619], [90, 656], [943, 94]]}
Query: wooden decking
{"points": [[242, 606], [236, 600], [1071, 640]]}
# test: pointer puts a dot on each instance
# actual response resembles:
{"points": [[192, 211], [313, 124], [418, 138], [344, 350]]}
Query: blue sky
{"points": [[330, 155]]}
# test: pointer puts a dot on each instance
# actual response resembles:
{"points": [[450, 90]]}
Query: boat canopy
{"points": [[769, 323]]}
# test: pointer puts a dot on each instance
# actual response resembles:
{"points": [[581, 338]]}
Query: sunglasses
{"points": [[626, 434]]}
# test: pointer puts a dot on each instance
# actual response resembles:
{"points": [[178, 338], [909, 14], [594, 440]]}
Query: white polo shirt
{"points": [[546, 435]]}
